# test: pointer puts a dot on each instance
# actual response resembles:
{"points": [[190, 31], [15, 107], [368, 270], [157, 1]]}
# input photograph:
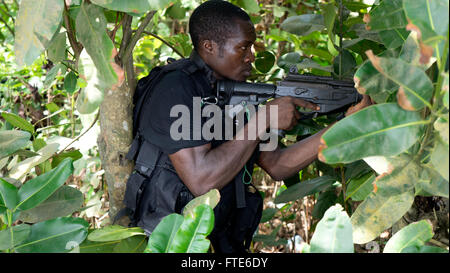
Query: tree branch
{"points": [[124, 55], [165, 42], [7, 26], [77, 47]]}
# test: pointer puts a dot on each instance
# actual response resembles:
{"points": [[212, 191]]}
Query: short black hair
{"points": [[214, 20]]}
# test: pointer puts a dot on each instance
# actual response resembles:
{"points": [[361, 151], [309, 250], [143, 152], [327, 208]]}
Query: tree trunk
{"points": [[114, 141]]}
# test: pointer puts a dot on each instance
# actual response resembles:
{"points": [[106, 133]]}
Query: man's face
{"points": [[234, 59]]}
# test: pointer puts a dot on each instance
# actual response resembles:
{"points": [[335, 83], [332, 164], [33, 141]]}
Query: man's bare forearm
{"points": [[284, 163], [213, 168]]}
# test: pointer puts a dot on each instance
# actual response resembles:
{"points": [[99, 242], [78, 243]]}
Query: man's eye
{"points": [[244, 48]]}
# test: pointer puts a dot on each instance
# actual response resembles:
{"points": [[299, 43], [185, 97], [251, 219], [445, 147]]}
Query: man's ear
{"points": [[208, 47]]}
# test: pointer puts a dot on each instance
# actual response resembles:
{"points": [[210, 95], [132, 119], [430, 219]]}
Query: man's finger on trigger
{"points": [[306, 104], [297, 115]]}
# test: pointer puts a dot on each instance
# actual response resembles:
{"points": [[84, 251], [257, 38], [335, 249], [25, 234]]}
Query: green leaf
{"points": [[333, 233], [56, 51], [415, 234], [8, 195], [176, 11], [191, 236], [348, 64], [268, 214], [439, 158], [132, 6], [98, 247], [382, 129], [305, 188], [162, 236], [91, 31], [445, 90], [415, 89], [135, 244], [431, 183], [303, 24], [13, 140], [13, 236], [91, 96], [250, 6], [18, 121], [38, 189], [324, 201], [431, 17], [377, 213], [307, 63], [441, 125], [359, 188], [75, 155], [329, 12], [64, 201], [70, 82], [36, 24], [389, 19], [24, 167], [53, 236], [388, 15], [424, 249], [114, 233], [210, 198], [264, 61]]}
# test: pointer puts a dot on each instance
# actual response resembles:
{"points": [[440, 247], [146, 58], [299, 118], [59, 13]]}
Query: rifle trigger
{"points": [[209, 100]]}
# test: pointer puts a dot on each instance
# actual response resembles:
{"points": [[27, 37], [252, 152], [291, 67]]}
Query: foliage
{"points": [[59, 59]]}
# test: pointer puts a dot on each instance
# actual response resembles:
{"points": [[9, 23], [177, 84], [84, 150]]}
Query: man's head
{"points": [[223, 35]]}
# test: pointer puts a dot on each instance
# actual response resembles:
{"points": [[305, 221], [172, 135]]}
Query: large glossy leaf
{"points": [[431, 183], [431, 17], [424, 249], [388, 15], [377, 213], [36, 23], [439, 158], [57, 235], [415, 234], [8, 195], [98, 247], [389, 19], [133, 6], [210, 198], [24, 167], [415, 89], [18, 121], [64, 201], [91, 31], [303, 24], [371, 82], [333, 233], [38, 189], [305, 188], [13, 140], [382, 129], [191, 236], [162, 236], [135, 244], [13, 236], [114, 233]]}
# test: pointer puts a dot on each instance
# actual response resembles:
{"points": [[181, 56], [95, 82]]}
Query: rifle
{"points": [[331, 95]]}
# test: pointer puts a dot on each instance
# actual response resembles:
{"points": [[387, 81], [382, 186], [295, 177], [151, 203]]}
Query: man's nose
{"points": [[250, 58]]}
